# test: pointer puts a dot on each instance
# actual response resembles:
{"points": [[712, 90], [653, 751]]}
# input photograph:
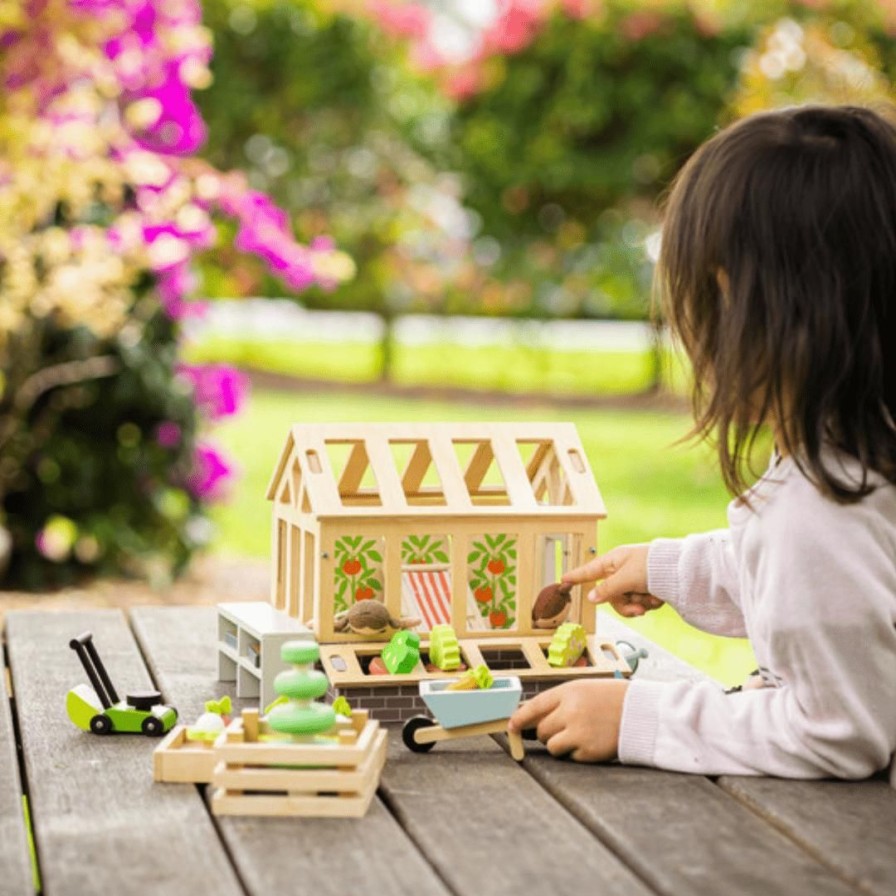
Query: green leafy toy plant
{"points": [[444, 649], [301, 715], [402, 653], [479, 678], [212, 722], [567, 645], [342, 707]]}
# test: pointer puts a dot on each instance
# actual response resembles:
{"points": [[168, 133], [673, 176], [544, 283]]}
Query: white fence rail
{"points": [[284, 320]]}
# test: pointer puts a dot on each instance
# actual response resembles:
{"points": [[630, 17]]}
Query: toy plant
{"points": [[98, 708], [567, 645], [342, 707], [444, 649], [479, 679], [402, 653], [212, 722], [301, 716]]}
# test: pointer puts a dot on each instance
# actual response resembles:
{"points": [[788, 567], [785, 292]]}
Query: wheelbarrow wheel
{"points": [[409, 734]]}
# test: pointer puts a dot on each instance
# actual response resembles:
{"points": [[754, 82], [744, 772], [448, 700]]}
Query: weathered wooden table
{"points": [[463, 819]]}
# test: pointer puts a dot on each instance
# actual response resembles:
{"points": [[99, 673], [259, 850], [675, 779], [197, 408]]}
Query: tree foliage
{"points": [[103, 209], [522, 178]]}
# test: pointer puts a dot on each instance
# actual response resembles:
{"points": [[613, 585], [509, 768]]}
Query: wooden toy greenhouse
{"points": [[449, 524]]}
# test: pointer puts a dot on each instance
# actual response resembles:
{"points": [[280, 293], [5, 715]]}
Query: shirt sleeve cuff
{"points": [[639, 723], [662, 568]]}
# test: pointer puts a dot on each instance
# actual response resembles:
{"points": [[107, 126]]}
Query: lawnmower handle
{"points": [[82, 639]]}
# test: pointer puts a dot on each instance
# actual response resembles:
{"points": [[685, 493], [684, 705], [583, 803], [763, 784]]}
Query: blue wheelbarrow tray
{"points": [[453, 709]]}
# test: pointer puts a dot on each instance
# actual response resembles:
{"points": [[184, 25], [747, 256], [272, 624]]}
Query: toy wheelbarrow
{"points": [[464, 714]]}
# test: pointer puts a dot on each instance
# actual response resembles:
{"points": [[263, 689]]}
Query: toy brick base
{"points": [[398, 703], [259, 777]]}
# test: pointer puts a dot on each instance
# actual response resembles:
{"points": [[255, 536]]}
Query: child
{"points": [[778, 275]]}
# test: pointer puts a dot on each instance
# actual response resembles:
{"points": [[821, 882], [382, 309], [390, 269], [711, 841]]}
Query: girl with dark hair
{"points": [[777, 273]]}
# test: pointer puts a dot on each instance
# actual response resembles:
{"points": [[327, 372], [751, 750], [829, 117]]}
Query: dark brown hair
{"points": [[778, 273]]}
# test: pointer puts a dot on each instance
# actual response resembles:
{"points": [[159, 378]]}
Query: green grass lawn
{"points": [[514, 367], [651, 487]]}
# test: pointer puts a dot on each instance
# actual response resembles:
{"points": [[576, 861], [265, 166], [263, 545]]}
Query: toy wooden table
{"points": [[464, 819]]}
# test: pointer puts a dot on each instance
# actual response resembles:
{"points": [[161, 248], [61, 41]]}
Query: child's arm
{"points": [[697, 575], [835, 718], [822, 608]]}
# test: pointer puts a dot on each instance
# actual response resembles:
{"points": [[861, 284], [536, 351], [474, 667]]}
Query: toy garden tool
{"points": [[98, 708]]}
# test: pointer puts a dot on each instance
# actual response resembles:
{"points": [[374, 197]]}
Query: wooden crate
{"points": [[318, 779], [179, 760]]}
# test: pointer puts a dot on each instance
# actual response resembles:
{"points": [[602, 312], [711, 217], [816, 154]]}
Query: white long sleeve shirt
{"points": [[812, 583]]}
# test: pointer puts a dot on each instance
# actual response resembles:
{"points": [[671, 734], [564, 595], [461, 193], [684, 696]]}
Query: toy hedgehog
{"points": [[370, 617], [552, 605]]}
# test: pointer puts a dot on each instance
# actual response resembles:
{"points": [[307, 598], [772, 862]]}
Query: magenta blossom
{"points": [[179, 128], [168, 434], [219, 389], [407, 20], [211, 473], [174, 285], [264, 231]]}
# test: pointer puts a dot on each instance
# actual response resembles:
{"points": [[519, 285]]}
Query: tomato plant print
{"points": [[429, 549], [492, 577], [357, 574]]}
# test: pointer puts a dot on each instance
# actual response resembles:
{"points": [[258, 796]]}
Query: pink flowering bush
{"points": [[104, 210]]}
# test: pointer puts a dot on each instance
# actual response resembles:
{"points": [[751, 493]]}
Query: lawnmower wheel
{"points": [[100, 724], [152, 727]]}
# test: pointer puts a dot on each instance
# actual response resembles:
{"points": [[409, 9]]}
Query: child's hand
{"points": [[622, 580], [579, 718]]}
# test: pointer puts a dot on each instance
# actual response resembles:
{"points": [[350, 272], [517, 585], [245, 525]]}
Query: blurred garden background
{"points": [[369, 210]]}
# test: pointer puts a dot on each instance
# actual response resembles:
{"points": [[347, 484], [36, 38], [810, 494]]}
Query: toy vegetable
{"points": [[479, 678]]}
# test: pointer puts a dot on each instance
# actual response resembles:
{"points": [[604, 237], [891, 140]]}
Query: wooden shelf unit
{"points": [[250, 634]]}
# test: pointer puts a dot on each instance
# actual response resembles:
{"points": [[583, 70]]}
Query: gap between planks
{"points": [[18, 850]]}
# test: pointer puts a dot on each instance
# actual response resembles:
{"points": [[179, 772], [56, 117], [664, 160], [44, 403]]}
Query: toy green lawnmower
{"points": [[98, 708]]}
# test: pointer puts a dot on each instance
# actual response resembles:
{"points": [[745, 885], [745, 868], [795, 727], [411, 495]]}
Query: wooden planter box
{"points": [[395, 698], [179, 760], [336, 778]]}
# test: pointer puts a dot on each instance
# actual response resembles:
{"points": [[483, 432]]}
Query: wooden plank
{"points": [[387, 477], [477, 466], [417, 466], [846, 825], [488, 828], [355, 468], [507, 457], [681, 833], [580, 480], [14, 857], [454, 487], [101, 825], [329, 856]]}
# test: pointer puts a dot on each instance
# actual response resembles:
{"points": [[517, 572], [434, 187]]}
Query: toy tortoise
{"points": [[370, 617]]}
